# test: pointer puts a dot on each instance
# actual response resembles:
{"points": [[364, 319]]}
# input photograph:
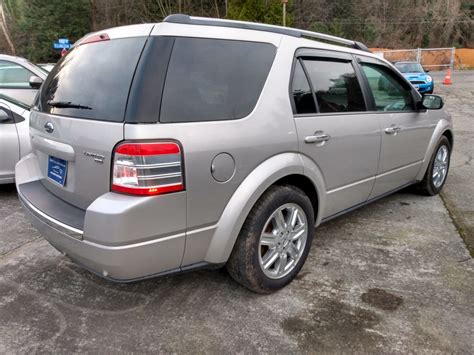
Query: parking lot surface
{"points": [[395, 276]]}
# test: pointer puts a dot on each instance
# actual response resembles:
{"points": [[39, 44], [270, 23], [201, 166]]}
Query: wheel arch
{"points": [[286, 168], [305, 184], [443, 128], [449, 134]]}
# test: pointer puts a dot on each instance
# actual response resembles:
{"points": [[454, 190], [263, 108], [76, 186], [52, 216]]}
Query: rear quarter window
{"points": [[93, 80], [213, 79]]}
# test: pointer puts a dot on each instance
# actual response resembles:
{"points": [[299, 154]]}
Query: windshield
{"points": [[409, 67], [41, 68]]}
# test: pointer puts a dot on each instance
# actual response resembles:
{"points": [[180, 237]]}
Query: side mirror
{"points": [[35, 82], [4, 116], [431, 102], [426, 70]]}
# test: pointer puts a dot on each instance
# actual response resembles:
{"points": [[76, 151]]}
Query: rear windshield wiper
{"points": [[67, 104]]}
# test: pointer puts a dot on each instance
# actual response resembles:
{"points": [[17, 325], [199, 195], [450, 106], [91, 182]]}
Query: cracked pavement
{"points": [[394, 276]]}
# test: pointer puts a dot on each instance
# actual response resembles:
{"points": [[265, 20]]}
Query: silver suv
{"points": [[197, 143]]}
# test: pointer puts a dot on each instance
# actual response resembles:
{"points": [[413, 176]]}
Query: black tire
{"points": [[426, 186], [243, 264]]}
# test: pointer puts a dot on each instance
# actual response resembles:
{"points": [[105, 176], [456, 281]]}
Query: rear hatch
{"points": [[78, 117]]}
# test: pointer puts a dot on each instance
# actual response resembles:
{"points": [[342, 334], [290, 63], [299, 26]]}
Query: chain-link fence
{"points": [[429, 58]]}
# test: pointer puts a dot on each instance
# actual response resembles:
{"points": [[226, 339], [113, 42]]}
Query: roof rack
{"points": [[191, 20]]}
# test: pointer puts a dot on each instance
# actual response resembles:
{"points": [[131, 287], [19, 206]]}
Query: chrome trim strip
{"points": [[201, 229], [135, 245], [398, 169], [351, 185], [159, 176], [373, 177], [61, 227]]}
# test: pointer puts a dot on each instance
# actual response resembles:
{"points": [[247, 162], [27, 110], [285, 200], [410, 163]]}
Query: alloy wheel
{"points": [[440, 166], [283, 241]]}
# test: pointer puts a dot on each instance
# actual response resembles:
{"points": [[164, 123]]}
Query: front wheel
{"points": [[274, 241], [437, 171]]}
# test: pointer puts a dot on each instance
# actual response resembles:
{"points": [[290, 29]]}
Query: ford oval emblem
{"points": [[48, 127]]}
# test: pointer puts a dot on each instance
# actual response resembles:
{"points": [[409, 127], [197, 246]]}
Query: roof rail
{"points": [[191, 20]]}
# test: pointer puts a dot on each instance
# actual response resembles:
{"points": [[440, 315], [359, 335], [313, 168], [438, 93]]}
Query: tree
{"points": [[29, 27], [43, 22], [6, 31], [263, 11]]}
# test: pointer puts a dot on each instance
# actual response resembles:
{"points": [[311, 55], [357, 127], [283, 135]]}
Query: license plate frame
{"points": [[57, 170]]}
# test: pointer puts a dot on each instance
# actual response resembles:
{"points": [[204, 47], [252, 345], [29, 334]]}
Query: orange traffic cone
{"points": [[447, 79]]}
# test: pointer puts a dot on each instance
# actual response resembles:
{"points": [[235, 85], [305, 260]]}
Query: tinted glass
{"points": [[210, 79], [335, 85], [389, 92], [14, 76], [144, 100], [302, 96], [93, 80]]}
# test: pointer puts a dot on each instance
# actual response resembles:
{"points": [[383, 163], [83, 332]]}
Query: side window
{"points": [[14, 76], [223, 78], [302, 96], [335, 85], [389, 92]]}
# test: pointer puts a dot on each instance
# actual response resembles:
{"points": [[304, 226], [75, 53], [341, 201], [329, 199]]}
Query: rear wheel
{"points": [[435, 176], [274, 241]]}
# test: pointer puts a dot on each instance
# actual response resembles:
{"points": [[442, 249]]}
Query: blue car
{"points": [[415, 74]]}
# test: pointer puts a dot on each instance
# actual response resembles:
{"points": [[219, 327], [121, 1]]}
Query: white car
{"points": [[14, 136], [19, 78], [46, 66]]}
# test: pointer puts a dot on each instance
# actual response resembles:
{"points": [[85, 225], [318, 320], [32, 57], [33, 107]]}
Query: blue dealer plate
{"points": [[57, 170]]}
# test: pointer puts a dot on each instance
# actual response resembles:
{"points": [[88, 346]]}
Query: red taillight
{"points": [[147, 169], [148, 149], [95, 38]]}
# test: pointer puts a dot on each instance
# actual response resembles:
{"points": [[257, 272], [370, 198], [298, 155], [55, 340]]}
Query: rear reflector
{"points": [[147, 169]]}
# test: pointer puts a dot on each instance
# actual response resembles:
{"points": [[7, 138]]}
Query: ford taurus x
{"points": [[195, 143]]}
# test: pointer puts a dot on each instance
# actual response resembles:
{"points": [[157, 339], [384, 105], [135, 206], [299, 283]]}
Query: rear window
{"points": [[302, 94], [93, 80], [212, 79]]}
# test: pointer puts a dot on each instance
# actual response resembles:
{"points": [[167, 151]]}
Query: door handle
{"points": [[318, 137], [392, 130]]}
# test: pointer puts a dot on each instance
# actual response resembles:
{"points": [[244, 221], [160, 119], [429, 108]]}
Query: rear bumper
{"points": [[52, 210], [104, 245]]}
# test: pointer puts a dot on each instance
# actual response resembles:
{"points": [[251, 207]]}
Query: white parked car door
{"points": [[14, 138]]}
